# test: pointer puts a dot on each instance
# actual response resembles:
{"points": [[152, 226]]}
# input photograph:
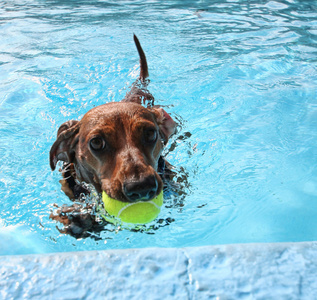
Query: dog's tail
{"points": [[144, 72]]}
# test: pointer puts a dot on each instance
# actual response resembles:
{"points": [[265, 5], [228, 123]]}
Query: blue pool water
{"points": [[240, 78]]}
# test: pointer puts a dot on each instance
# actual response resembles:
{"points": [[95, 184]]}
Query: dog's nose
{"points": [[144, 189]]}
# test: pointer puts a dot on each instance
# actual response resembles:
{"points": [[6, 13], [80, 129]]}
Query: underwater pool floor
{"points": [[241, 271]]}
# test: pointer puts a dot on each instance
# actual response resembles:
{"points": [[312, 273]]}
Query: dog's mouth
{"points": [[145, 189], [133, 190], [142, 194]]}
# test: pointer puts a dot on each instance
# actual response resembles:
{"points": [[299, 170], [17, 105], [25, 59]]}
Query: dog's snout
{"points": [[144, 189]]}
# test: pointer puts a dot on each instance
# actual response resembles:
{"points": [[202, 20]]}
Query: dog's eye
{"points": [[97, 143], [150, 135]]}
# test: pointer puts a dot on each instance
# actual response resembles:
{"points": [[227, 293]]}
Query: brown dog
{"points": [[116, 147]]}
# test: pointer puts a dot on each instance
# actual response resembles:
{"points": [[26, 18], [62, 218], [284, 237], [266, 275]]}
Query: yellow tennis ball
{"points": [[140, 212]]}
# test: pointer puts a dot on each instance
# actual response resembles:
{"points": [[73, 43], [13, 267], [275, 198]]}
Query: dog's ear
{"points": [[64, 146], [165, 122]]}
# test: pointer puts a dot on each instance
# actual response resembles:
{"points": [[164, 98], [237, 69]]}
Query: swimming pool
{"points": [[240, 78]]}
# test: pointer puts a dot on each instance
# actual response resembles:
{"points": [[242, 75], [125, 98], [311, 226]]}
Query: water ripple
{"points": [[239, 76]]}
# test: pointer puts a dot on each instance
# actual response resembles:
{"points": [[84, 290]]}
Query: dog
{"points": [[117, 148]]}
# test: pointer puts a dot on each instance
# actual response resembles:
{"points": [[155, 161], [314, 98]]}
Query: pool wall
{"points": [[242, 271]]}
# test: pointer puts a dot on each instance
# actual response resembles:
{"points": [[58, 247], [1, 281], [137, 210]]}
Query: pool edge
{"points": [[251, 271]]}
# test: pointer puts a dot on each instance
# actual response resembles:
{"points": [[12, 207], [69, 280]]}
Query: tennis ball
{"points": [[140, 212]]}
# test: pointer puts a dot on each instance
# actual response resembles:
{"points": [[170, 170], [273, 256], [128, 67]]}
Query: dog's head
{"points": [[116, 147]]}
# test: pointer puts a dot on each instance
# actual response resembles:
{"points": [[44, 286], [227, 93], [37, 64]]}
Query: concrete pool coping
{"points": [[239, 271]]}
